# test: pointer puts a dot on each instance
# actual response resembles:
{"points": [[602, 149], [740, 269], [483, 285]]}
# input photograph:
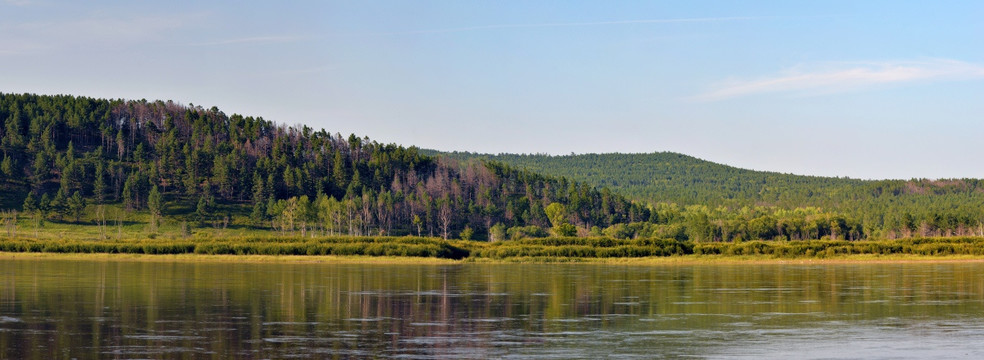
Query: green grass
{"points": [[338, 246], [129, 233]]}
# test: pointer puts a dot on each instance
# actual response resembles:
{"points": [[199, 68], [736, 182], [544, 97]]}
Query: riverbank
{"points": [[398, 260], [274, 259], [382, 249]]}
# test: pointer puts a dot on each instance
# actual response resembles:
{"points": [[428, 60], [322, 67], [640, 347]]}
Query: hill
{"points": [[676, 178], [62, 154], [890, 207]]}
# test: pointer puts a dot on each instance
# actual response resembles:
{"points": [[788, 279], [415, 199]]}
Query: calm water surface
{"points": [[89, 309]]}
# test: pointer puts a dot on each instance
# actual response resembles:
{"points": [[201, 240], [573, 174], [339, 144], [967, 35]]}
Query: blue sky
{"points": [[866, 89]]}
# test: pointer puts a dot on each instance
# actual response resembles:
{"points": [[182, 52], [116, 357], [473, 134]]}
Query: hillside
{"points": [[63, 154], [931, 207], [677, 178]]}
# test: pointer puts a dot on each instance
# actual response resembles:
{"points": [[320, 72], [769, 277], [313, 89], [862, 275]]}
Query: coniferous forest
{"points": [[66, 159], [64, 156], [767, 205]]}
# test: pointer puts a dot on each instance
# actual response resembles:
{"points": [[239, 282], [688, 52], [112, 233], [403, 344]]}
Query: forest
{"points": [[65, 158], [71, 160], [719, 202]]}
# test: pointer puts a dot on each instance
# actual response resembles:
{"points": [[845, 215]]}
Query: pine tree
{"points": [[129, 192], [7, 166], [60, 203], [99, 185], [30, 204], [40, 171], [155, 206], [258, 213], [205, 203], [76, 205]]}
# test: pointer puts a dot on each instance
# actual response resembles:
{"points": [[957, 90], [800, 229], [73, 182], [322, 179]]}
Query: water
{"points": [[92, 309]]}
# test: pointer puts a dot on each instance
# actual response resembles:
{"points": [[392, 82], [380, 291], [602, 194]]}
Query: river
{"points": [[128, 309]]}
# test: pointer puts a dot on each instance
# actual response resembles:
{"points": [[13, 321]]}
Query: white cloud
{"points": [[840, 77]]}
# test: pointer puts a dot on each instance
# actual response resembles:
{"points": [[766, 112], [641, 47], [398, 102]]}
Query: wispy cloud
{"points": [[577, 24], [253, 40], [840, 77]]}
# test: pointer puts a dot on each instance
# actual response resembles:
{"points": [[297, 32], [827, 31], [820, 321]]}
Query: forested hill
{"points": [[889, 207], [62, 154], [67, 159], [677, 178]]}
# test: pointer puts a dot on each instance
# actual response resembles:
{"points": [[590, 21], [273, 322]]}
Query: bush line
{"points": [[556, 247]]}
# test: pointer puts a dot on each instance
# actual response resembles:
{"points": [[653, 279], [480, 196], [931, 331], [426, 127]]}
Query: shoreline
{"points": [[407, 260], [249, 259]]}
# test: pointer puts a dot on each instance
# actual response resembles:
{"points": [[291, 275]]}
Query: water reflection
{"points": [[90, 309]]}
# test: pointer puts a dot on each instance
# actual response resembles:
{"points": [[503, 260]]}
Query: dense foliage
{"points": [[357, 245], [544, 249], [713, 201], [64, 156]]}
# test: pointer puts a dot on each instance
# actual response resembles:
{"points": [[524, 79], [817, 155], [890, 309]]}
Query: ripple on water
{"points": [[290, 323], [130, 351], [294, 339], [575, 320], [487, 320], [426, 324], [375, 319], [437, 340], [163, 337], [10, 319]]}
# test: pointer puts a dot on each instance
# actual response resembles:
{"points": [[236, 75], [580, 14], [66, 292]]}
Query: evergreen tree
{"points": [[30, 204], [59, 204], [205, 204], [7, 166], [155, 205], [76, 206], [40, 170], [99, 184], [258, 214], [130, 192]]}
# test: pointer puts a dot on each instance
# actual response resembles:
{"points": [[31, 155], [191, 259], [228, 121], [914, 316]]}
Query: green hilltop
{"points": [[888, 207], [681, 179]]}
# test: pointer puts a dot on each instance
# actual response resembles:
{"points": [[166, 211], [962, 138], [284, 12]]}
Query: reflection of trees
{"points": [[97, 309]]}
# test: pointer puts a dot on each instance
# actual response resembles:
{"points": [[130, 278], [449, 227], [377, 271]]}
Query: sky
{"points": [[863, 89]]}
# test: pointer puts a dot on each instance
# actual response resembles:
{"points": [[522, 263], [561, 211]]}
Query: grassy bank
{"points": [[556, 249], [266, 259], [403, 260], [247, 245]]}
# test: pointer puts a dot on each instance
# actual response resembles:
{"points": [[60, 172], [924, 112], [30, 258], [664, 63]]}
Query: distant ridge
{"points": [[679, 178], [916, 206]]}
